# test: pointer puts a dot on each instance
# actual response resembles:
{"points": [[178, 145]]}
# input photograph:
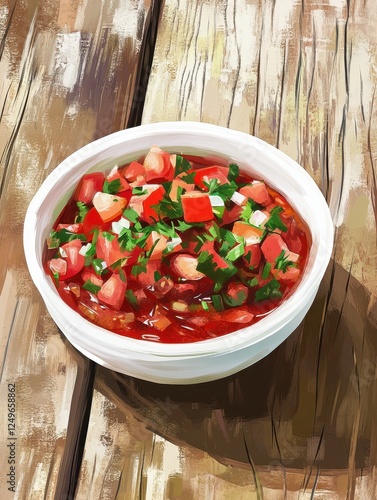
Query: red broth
{"points": [[175, 249]]}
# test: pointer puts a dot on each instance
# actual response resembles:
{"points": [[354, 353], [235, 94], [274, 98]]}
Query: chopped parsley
{"points": [[270, 290], [91, 287], [234, 172], [57, 238], [282, 263], [111, 187], [274, 221], [131, 215], [266, 270], [219, 275], [131, 297], [82, 211], [181, 165]]}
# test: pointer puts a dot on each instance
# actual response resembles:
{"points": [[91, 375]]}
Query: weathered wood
{"points": [[69, 73]]}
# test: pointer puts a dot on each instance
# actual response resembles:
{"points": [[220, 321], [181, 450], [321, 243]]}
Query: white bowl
{"points": [[198, 361]]}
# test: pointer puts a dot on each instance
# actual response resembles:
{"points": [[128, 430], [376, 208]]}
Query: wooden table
{"points": [[302, 76]]}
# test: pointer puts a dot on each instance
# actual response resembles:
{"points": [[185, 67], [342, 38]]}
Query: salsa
{"points": [[174, 248]]}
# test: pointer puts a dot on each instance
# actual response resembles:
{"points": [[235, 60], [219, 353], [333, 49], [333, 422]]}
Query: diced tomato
{"points": [[93, 221], [272, 247], [139, 181], [105, 317], [291, 274], [204, 175], [157, 242], [134, 170], [153, 198], [115, 175], [109, 206], [176, 183], [185, 265], [257, 191], [72, 228], [113, 291], [251, 234], [88, 187], [75, 261], [252, 256], [58, 266], [236, 294], [237, 316], [108, 249], [147, 278], [231, 215], [157, 163], [89, 275], [293, 236], [197, 207], [158, 321]]}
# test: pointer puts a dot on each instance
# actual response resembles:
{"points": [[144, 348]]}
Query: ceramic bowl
{"points": [[191, 362]]}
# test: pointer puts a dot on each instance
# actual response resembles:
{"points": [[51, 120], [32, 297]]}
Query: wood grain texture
{"points": [[69, 73], [300, 75]]}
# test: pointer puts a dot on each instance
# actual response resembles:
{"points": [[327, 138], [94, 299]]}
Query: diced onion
{"points": [[257, 218], [216, 201], [238, 198], [118, 225], [85, 249]]}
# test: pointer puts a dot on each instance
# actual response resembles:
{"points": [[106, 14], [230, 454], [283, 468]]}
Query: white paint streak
{"points": [[67, 58], [126, 19], [170, 465]]}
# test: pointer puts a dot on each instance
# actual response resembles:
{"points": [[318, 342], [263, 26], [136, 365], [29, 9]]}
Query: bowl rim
{"points": [[97, 337]]}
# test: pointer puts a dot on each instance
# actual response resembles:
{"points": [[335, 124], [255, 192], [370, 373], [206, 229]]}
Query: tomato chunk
{"points": [[116, 175], [185, 266], [134, 170], [93, 221], [153, 198], [273, 246], [157, 243], [251, 234], [112, 292], [88, 186], [252, 256], [157, 163], [75, 261], [109, 206], [257, 191], [204, 175], [197, 207]]}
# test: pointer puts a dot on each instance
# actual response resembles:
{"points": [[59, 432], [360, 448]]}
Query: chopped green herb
{"points": [[204, 305], [282, 263], [99, 266], [234, 172], [118, 264], [181, 165], [111, 187], [131, 297], [189, 178], [212, 270], [126, 240], [236, 252], [217, 302], [91, 287], [131, 215], [225, 191], [275, 222], [57, 238], [83, 210], [266, 270], [139, 191], [157, 276], [169, 208], [253, 282], [270, 290]]}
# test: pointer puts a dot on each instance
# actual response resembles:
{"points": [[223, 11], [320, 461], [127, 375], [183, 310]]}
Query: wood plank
{"points": [[300, 76], [68, 75]]}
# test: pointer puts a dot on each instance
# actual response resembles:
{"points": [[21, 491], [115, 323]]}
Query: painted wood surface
{"points": [[300, 75]]}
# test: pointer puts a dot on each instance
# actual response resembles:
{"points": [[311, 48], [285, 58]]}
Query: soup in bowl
{"points": [[178, 252]]}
